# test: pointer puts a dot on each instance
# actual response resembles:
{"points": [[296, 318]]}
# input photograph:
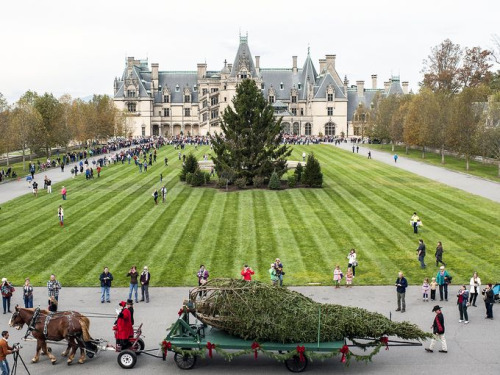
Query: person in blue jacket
{"points": [[401, 285]]}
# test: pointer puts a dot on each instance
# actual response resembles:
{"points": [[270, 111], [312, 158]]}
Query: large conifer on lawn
{"points": [[250, 143]]}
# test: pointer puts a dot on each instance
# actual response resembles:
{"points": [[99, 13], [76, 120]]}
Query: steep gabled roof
{"points": [[243, 58], [323, 82], [308, 74]]}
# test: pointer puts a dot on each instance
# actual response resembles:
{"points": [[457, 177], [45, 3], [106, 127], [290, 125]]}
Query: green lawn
{"points": [[364, 204], [489, 171]]}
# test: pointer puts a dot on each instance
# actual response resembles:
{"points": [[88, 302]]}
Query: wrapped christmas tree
{"points": [[258, 311]]}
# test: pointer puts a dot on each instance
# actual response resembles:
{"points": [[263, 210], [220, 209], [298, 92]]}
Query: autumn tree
{"points": [[442, 67], [421, 118], [66, 126], [466, 117], [50, 110], [26, 123], [475, 69]]}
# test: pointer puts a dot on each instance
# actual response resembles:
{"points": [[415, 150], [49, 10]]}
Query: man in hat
{"points": [[438, 331], [123, 326]]}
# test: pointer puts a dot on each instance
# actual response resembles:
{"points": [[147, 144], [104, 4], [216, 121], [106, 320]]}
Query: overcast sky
{"points": [[78, 47]]}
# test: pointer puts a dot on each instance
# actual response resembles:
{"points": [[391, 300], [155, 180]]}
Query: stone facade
{"points": [[192, 102]]}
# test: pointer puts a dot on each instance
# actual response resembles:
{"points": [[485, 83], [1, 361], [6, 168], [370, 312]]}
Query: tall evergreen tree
{"points": [[250, 143]]}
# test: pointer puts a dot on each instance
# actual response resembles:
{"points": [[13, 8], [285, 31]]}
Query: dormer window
{"points": [[294, 99], [166, 98], [195, 88], [300, 86], [177, 88], [131, 93], [243, 75], [330, 97], [282, 86], [187, 99], [271, 99]]}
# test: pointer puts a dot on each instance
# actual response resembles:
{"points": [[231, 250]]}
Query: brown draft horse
{"points": [[69, 325]]}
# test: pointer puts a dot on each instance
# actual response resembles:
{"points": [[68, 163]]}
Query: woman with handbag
{"points": [[352, 261], [475, 285], [6, 289], [463, 302]]}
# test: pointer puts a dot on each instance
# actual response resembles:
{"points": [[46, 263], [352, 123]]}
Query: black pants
{"points": [[445, 288], [472, 299], [433, 294], [415, 227]]}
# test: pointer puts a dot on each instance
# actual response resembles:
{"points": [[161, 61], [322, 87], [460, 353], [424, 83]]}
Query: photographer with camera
{"points": [[247, 273], [5, 350]]}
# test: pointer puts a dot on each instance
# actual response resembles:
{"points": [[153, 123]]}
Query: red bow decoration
{"points": [[301, 350], [344, 350], [210, 346], [385, 340], [255, 347], [181, 310], [166, 346]]}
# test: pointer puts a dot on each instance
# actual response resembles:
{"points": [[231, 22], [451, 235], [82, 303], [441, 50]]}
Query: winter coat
{"points": [[124, 328]]}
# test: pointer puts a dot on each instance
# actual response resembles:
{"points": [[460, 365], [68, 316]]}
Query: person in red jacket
{"points": [[123, 326], [247, 273]]}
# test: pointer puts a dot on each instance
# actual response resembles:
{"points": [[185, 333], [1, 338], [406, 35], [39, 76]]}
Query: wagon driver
{"points": [[123, 326]]}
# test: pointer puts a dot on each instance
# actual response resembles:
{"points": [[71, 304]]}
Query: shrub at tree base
{"points": [[241, 183], [198, 178], [299, 170], [249, 310], [312, 174], [221, 183], [292, 181], [258, 182], [188, 178], [190, 165], [274, 182], [207, 178]]}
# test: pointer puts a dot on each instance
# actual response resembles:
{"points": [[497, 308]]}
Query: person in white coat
{"points": [[475, 287], [352, 261]]}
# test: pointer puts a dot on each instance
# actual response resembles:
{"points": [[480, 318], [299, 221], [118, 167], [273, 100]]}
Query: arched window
{"points": [[296, 128], [330, 128], [308, 129], [285, 127]]}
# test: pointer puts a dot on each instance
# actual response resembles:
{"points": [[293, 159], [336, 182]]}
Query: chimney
{"points": [[405, 87], [346, 83], [322, 65], [361, 88], [387, 85], [257, 64], [202, 70], [374, 81], [154, 76], [294, 64], [330, 63]]}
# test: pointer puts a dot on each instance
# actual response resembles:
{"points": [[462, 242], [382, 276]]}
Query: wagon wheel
{"points": [[184, 361], [294, 364], [127, 359], [90, 354], [139, 346]]}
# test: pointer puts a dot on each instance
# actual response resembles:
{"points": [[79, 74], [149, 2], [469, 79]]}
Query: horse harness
{"points": [[48, 318]]}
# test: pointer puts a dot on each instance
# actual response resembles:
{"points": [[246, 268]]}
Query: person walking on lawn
{"points": [[421, 253]]}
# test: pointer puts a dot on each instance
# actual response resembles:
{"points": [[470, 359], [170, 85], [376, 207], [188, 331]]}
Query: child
{"points": [[337, 276], [52, 304], [425, 290], [348, 277], [433, 286]]}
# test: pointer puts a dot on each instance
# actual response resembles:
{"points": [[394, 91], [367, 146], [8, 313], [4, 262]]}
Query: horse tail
{"points": [[85, 324]]}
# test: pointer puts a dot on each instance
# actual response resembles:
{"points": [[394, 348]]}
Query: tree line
{"points": [[38, 123], [457, 108]]}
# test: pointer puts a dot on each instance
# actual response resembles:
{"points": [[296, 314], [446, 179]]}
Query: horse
{"points": [[69, 325]]}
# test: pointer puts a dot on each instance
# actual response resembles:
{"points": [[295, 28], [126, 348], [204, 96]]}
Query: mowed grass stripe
{"points": [[314, 242], [265, 240], [106, 235], [245, 243]]}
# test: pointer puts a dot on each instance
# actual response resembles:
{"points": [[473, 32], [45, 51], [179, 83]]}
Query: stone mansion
{"points": [[310, 101]]}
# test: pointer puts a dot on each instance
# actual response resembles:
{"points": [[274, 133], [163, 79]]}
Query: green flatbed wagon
{"points": [[189, 341]]}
